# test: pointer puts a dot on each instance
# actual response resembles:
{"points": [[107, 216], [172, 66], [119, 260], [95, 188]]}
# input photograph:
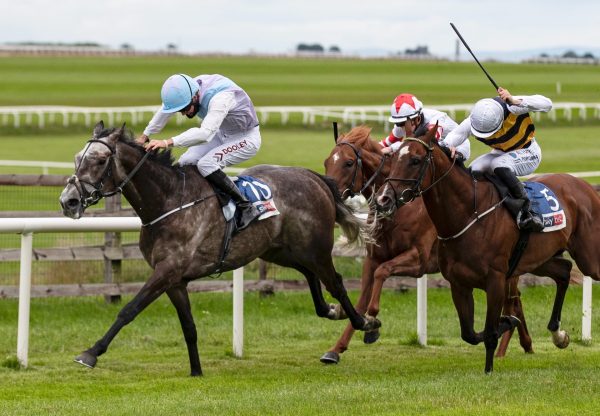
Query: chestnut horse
{"points": [[182, 238], [405, 244], [477, 235]]}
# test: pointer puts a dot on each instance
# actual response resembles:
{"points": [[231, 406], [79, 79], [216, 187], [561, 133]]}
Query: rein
{"points": [[91, 198]]}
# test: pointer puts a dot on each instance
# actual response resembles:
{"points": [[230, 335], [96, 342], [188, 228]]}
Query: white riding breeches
{"points": [[222, 151], [522, 162]]}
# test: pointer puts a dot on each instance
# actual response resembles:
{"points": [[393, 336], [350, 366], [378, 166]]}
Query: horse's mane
{"points": [[164, 158], [459, 162], [361, 137]]}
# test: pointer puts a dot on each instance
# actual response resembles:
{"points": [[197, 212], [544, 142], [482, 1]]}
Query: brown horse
{"points": [[478, 235], [405, 244], [189, 244]]}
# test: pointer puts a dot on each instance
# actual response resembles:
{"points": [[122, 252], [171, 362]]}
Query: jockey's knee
{"points": [[206, 168]]}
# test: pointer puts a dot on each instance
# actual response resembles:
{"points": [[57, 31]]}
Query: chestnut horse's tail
{"points": [[355, 229]]}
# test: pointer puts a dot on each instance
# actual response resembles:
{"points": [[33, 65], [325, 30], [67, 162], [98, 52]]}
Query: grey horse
{"points": [[188, 243]]}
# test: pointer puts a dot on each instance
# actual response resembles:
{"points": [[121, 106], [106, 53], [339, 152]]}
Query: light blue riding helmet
{"points": [[177, 92]]}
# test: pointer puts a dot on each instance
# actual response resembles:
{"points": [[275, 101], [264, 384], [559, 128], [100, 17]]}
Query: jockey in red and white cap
{"points": [[412, 120]]}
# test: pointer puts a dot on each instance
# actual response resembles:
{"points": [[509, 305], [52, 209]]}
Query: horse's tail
{"points": [[355, 229]]}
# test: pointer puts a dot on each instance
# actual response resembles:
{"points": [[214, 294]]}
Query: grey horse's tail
{"points": [[353, 227]]}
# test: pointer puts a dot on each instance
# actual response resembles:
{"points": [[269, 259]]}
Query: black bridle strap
{"points": [[125, 181], [374, 175]]}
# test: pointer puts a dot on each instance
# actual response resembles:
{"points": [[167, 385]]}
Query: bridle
{"points": [[87, 198], [409, 194], [358, 167]]}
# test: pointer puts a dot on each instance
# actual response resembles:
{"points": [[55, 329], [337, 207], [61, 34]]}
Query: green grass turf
{"points": [[146, 368]]}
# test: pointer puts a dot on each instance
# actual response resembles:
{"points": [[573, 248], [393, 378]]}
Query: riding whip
{"points": [[474, 57]]}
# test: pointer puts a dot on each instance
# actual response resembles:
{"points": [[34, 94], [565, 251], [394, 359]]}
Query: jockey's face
{"points": [[192, 108], [411, 125]]}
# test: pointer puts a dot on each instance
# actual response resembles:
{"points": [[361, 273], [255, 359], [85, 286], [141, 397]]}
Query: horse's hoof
{"points": [[371, 337], [330, 357], [371, 323], [86, 359], [561, 339], [510, 320], [336, 312]]}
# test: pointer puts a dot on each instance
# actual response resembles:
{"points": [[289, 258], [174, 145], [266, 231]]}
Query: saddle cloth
{"points": [[546, 205], [255, 191]]}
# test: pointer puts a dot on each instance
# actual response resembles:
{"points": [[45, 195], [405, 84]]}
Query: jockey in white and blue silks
{"points": [[228, 135]]}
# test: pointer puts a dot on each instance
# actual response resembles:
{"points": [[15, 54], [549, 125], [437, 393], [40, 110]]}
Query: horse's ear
{"points": [[430, 135], [99, 128]]}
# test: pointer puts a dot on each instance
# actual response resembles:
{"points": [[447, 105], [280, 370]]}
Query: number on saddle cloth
{"points": [[258, 193], [545, 204]]}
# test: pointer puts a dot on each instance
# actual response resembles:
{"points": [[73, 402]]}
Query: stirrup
{"points": [[247, 214]]}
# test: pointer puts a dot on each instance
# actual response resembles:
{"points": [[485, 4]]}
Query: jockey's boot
{"points": [[526, 220], [248, 212]]}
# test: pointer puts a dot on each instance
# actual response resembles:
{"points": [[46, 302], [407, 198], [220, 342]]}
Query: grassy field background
{"points": [[145, 370]]}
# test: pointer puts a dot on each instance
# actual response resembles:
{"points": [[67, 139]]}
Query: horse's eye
{"points": [[349, 162], [415, 161]]}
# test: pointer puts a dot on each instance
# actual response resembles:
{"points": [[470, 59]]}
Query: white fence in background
{"points": [[66, 115], [28, 226]]}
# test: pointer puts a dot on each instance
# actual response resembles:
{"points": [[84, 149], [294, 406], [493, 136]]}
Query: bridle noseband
{"points": [[87, 198], [410, 194]]}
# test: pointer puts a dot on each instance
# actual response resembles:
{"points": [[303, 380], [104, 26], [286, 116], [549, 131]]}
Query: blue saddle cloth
{"points": [[259, 193], [546, 205]]}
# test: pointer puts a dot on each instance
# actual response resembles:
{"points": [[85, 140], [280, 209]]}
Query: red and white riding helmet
{"points": [[405, 107]]}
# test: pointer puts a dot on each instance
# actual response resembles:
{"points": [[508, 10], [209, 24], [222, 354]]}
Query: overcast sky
{"points": [[278, 25]]}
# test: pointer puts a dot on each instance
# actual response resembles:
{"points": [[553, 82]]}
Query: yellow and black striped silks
{"points": [[516, 132]]}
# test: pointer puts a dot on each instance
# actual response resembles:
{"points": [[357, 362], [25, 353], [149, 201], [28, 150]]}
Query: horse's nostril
{"points": [[73, 203], [383, 201]]}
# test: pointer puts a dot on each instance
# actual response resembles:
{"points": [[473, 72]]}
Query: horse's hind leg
{"points": [[152, 289], [559, 269], [181, 300]]}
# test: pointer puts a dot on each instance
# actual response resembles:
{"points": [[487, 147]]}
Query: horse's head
{"points": [[409, 173], [93, 178], [353, 156]]}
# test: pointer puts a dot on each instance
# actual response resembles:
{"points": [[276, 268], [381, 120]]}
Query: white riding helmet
{"points": [[404, 107], [486, 117]]}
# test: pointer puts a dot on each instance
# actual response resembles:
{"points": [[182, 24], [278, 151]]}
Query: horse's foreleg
{"points": [[406, 264], [494, 325], [152, 289], [180, 299], [513, 307], [333, 355]]}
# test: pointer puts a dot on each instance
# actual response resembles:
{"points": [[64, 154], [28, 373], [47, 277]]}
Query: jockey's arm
{"points": [[527, 103], [156, 124], [396, 136], [218, 108], [459, 135]]}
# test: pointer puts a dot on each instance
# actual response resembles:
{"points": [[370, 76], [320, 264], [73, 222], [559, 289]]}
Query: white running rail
{"points": [[28, 226]]}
